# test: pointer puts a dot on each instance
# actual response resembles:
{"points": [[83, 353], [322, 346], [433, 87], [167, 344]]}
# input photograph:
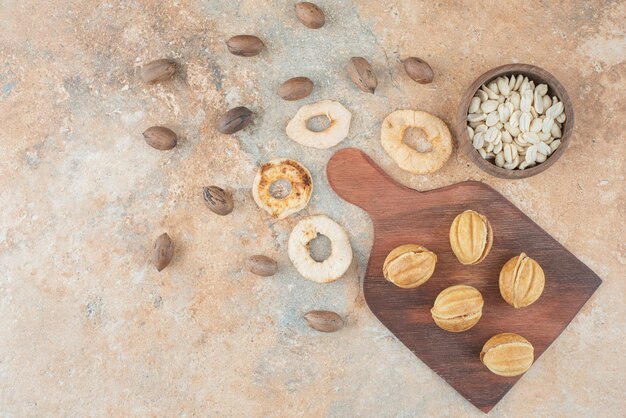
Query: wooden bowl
{"points": [[536, 74]]}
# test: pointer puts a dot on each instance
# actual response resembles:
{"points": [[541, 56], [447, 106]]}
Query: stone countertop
{"points": [[88, 325]]}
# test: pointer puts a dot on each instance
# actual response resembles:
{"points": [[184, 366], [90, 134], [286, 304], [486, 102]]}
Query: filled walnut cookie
{"points": [[507, 354], [458, 308], [471, 237], [409, 266], [521, 281]]}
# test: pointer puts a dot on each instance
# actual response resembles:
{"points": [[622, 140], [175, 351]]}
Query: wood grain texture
{"points": [[538, 75], [401, 215]]}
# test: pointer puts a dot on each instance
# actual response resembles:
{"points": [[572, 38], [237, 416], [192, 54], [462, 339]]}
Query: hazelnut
{"points": [[310, 15], [160, 137], [324, 321], [218, 200], [521, 281], [418, 70], [158, 71], [245, 45], [295, 88], [234, 120], [471, 237], [362, 74], [261, 265], [162, 252], [458, 308], [409, 266], [507, 354]]}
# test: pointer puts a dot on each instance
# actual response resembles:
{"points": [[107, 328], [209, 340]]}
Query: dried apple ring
{"points": [[335, 265], [336, 113], [407, 158], [298, 177]]}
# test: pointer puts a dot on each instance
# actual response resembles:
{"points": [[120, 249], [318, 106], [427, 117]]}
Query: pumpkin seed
{"points": [[548, 122], [476, 117], [492, 119], [524, 122], [538, 103], [531, 154], [489, 106], [500, 159], [474, 105], [503, 86], [536, 125]]}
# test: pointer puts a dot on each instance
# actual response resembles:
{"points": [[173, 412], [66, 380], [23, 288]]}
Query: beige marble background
{"points": [[87, 325]]}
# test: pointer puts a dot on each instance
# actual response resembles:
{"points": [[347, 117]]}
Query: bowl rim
{"points": [[536, 74]]}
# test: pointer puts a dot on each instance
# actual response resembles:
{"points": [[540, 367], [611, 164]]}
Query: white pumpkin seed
{"points": [[506, 137], [520, 150], [482, 95], [544, 149], [524, 122], [531, 154], [508, 154], [541, 157], [548, 122], [533, 112], [474, 105], [514, 152], [515, 99], [538, 102], [493, 86], [531, 137], [514, 119], [490, 93], [497, 147], [481, 128], [482, 153], [526, 101], [492, 119], [490, 155], [470, 132], [499, 125], [489, 146], [511, 83], [478, 141], [536, 124], [532, 85], [504, 113], [544, 136], [518, 82], [500, 159], [555, 110], [489, 106], [555, 131], [560, 118], [523, 165], [503, 86], [512, 165], [474, 124], [491, 134], [524, 87], [542, 89], [547, 102], [519, 140], [513, 130], [554, 145], [476, 117]]}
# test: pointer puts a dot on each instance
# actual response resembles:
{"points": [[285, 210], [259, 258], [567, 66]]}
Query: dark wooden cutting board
{"points": [[402, 215]]}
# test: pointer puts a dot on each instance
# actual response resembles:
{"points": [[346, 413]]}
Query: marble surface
{"points": [[90, 328]]}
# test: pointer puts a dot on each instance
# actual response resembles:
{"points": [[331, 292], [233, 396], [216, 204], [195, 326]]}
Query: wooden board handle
{"points": [[357, 179]]}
